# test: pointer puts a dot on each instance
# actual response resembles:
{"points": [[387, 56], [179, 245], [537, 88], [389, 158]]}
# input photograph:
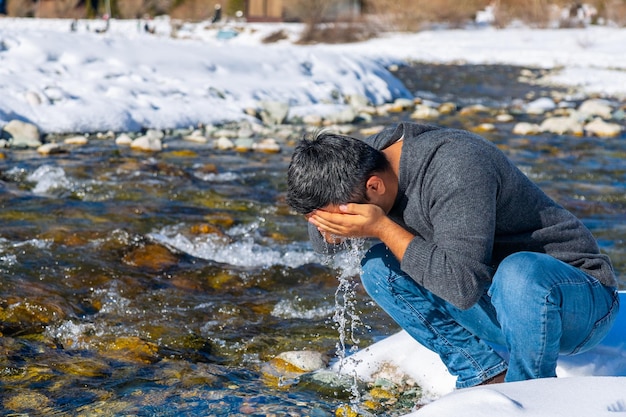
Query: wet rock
{"points": [[304, 360], [27, 400], [372, 130], [244, 144], [131, 349], [484, 127], [423, 111], [150, 142], [525, 128], [562, 125], [29, 315], [596, 107], [404, 103], [196, 136], [599, 127], [474, 109], [225, 133], [22, 135], [152, 256], [224, 144], [504, 118], [123, 140], [447, 108], [330, 383], [268, 145], [50, 148]]}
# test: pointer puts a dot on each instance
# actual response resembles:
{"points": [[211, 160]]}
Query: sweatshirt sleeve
{"points": [[459, 195]]}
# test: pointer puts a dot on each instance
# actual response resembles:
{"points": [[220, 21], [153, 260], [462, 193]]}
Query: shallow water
{"points": [[159, 284]]}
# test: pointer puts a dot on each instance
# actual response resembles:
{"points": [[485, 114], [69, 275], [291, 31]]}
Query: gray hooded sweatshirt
{"points": [[469, 207]]}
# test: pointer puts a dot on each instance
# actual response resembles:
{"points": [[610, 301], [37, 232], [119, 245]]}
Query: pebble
{"points": [[50, 148], [562, 125], [599, 127], [76, 140]]}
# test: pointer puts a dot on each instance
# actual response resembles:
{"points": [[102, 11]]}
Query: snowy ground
{"points": [[127, 79]]}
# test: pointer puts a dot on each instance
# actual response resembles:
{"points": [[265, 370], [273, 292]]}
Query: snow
{"points": [[127, 79]]}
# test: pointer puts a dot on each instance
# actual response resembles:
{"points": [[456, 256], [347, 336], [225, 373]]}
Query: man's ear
{"points": [[375, 185]]}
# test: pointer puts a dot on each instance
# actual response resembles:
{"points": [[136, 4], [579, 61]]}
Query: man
{"points": [[472, 254]]}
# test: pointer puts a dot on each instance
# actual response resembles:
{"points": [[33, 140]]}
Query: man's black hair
{"points": [[328, 168]]}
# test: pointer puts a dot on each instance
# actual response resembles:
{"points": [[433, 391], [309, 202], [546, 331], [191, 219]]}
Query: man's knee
{"points": [[518, 275]]}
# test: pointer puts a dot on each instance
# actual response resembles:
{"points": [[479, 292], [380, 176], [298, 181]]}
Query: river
{"points": [[158, 284]]}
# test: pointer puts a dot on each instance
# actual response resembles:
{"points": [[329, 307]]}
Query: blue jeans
{"points": [[537, 307]]}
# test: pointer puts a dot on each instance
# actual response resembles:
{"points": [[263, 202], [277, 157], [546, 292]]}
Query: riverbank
{"points": [[129, 80]]}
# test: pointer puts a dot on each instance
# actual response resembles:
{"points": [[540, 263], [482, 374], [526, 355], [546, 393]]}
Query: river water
{"points": [[160, 284]]}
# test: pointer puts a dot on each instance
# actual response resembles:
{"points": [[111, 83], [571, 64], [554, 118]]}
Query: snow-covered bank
{"points": [[127, 79]]}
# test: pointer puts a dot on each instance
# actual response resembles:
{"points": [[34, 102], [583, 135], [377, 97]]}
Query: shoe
{"points": [[498, 379]]}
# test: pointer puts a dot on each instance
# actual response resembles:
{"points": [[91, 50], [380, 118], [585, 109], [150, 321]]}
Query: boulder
{"points": [[148, 143], [423, 111], [562, 125], [525, 128], [596, 107], [123, 140], [599, 127], [23, 135], [540, 106]]}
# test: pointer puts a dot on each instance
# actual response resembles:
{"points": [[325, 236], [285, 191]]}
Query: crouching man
{"points": [[471, 252]]}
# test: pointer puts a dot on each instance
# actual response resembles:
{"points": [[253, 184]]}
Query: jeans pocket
{"points": [[600, 328]]}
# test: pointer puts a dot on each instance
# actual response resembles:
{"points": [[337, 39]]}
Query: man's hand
{"points": [[348, 220], [361, 221]]}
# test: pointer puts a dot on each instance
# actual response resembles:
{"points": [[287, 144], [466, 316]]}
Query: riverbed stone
{"points": [[596, 107], [599, 127], [123, 140], [22, 134], [304, 360], [224, 144], [504, 118], [196, 136], [50, 148], [78, 140], [147, 143], [267, 145], [244, 144], [540, 106], [423, 111], [447, 108], [526, 128], [562, 125], [151, 256]]}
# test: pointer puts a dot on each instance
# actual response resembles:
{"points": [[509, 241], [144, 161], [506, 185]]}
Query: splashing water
{"points": [[346, 317]]}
